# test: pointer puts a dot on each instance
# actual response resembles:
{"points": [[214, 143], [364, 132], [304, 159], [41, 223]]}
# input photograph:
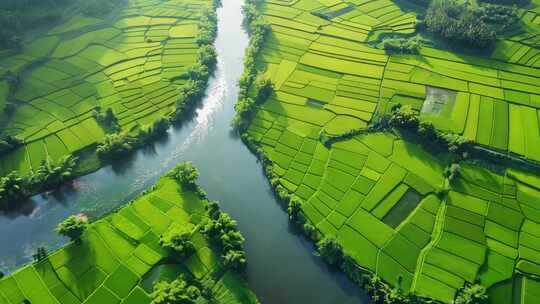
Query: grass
{"points": [[117, 253]]}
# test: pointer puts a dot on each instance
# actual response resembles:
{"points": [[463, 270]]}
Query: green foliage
{"points": [[107, 120], [12, 189], [452, 172], [207, 27], [472, 294], [178, 240], [8, 144], [330, 250], [456, 22], [175, 292], [499, 17], [246, 104], [115, 145], [409, 45], [49, 174], [222, 229], [294, 208], [186, 174], [406, 118], [40, 255], [72, 227], [235, 259]]}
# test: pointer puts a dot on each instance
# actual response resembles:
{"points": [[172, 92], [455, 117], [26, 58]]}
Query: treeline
{"points": [[253, 89], [468, 24], [119, 143], [217, 226], [15, 188]]}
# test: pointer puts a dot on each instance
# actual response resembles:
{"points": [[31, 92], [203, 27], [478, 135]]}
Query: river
{"points": [[282, 268]]}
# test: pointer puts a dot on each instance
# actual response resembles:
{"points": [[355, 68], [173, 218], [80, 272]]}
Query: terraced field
{"points": [[379, 194], [132, 64], [120, 257]]}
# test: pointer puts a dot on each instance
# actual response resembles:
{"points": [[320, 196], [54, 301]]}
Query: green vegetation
{"points": [[402, 45], [131, 256], [390, 160], [458, 23], [175, 292], [73, 227], [100, 82]]}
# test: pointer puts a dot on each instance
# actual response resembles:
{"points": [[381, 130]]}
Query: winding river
{"points": [[282, 268]]}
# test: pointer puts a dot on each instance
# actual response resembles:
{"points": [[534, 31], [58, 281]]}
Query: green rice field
{"points": [[119, 257], [130, 63], [376, 192]]}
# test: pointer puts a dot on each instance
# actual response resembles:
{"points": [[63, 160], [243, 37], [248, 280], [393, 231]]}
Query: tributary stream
{"points": [[282, 268]]}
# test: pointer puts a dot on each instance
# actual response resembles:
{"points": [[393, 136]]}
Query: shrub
{"points": [[472, 294], [452, 172], [115, 145], [402, 45], [73, 227], [294, 208], [175, 292], [330, 250], [235, 259], [107, 119], [178, 240], [187, 174]]}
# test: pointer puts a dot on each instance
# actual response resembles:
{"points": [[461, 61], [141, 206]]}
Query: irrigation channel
{"points": [[282, 268]]}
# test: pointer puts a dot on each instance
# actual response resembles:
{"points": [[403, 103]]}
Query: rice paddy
{"points": [[120, 257], [378, 193], [131, 63]]}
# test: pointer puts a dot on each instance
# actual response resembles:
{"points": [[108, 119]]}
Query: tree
{"points": [[73, 227], [187, 174], [235, 259], [114, 145], [175, 292], [472, 294], [409, 45], [178, 240], [330, 250], [40, 255], [405, 117], [12, 189], [452, 172], [294, 208]]}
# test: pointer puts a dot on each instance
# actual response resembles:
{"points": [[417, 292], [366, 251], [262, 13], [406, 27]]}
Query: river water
{"points": [[281, 269]]}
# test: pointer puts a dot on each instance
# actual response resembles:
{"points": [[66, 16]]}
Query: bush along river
{"points": [[282, 268]]}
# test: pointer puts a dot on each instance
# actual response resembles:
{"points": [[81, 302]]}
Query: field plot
{"points": [[131, 64], [120, 257], [377, 193]]}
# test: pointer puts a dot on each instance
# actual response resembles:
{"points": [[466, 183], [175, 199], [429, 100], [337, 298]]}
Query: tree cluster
{"points": [[107, 119], [498, 17], [115, 145], [15, 188], [457, 22], [175, 292], [249, 96], [178, 240], [222, 229], [409, 45], [406, 118], [9, 143]]}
